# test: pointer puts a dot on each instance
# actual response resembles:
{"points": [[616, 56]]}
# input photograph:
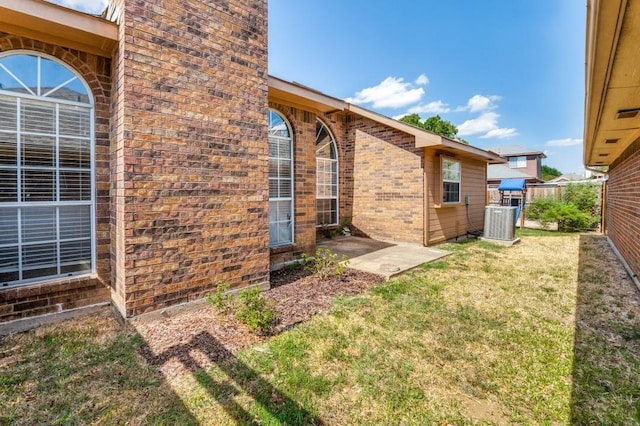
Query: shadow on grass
{"points": [[606, 358], [270, 399], [83, 371]]}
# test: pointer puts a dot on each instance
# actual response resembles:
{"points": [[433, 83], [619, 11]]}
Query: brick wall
{"points": [[623, 205], [190, 135], [337, 124], [388, 181], [62, 294]]}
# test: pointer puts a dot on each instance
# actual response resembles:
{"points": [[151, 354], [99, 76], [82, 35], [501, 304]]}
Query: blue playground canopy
{"points": [[512, 185]]}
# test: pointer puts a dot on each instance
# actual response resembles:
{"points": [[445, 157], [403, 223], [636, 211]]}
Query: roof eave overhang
{"points": [[50, 23], [424, 139], [281, 91], [612, 83]]}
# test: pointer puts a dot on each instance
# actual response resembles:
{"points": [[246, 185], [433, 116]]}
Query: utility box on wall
{"points": [[500, 223]]}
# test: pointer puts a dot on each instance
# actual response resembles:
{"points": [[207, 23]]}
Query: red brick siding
{"points": [[623, 205], [191, 196], [337, 124], [57, 295], [388, 182]]}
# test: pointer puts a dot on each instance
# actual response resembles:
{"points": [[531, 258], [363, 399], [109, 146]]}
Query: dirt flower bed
{"points": [[194, 337]]}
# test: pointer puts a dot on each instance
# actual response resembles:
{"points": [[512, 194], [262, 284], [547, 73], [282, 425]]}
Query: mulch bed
{"points": [[198, 336]]}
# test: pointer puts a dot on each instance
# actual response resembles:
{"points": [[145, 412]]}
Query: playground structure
{"points": [[513, 193]]}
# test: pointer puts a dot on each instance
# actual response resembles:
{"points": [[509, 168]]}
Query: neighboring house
{"points": [[144, 162], [522, 163], [612, 118], [568, 177]]}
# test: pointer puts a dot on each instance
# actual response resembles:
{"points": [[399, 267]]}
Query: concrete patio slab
{"points": [[379, 257]]}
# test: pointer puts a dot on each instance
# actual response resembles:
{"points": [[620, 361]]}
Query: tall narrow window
{"points": [[326, 177], [46, 171], [280, 181], [450, 181]]}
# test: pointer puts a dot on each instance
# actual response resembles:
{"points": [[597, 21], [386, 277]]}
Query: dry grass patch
{"points": [[85, 371], [544, 332]]}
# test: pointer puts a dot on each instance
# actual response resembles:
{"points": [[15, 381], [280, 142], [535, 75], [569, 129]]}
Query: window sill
{"points": [[445, 205], [283, 248]]}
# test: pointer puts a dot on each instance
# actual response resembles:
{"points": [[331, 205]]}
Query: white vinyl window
{"points": [[326, 177], [46, 170], [450, 181], [280, 181], [518, 162]]}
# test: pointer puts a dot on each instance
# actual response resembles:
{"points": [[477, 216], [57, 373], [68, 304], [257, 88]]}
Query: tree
{"points": [[436, 125], [549, 172]]}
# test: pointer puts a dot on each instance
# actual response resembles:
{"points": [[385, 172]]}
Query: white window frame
{"points": [[19, 204], [519, 162], [335, 184], [445, 179], [292, 175]]}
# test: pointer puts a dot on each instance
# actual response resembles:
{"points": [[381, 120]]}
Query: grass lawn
{"points": [[544, 332]]}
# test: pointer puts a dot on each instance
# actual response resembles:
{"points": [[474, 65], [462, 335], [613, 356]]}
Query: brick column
{"points": [[189, 151]]}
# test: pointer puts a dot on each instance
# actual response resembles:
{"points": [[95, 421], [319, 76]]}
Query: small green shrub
{"points": [[567, 215], [254, 310], [537, 207], [220, 300], [570, 218], [325, 263], [583, 195]]}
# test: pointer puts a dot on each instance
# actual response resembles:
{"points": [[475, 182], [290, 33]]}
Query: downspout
{"points": [[603, 194]]}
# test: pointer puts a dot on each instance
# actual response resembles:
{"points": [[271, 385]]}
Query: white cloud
{"points": [[501, 133], [564, 142], [435, 107], [486, 126], [89, 6], [392, 92], [479, 103], [422, 80]]}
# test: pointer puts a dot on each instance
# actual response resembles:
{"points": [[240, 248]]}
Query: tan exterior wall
{"points": [[533, 168], [623, 205], [449, 221], [62, 294], [190, 151], [388, 182]]}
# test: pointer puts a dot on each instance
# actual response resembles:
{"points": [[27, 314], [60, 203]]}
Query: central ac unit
{"points": [[500, 222]]}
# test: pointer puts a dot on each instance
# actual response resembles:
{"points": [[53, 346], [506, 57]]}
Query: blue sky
{"points": [[505, 72]]}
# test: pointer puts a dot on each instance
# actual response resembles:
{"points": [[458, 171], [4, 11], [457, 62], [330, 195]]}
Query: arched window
{"points": [[46, 170], [280, 181], [326, 177]]}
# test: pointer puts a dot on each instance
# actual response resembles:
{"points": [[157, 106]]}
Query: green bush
{"points": [[537, 207], [254, 310], [568, 217], [325, 263], [220, 300], [582, 195], [577, 211]]}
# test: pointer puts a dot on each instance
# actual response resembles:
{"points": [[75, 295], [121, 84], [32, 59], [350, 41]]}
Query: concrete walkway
{"points": [[381, 258]]}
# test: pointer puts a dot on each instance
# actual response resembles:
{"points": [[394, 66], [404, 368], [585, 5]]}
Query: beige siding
{"points": [[451, 221]]}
